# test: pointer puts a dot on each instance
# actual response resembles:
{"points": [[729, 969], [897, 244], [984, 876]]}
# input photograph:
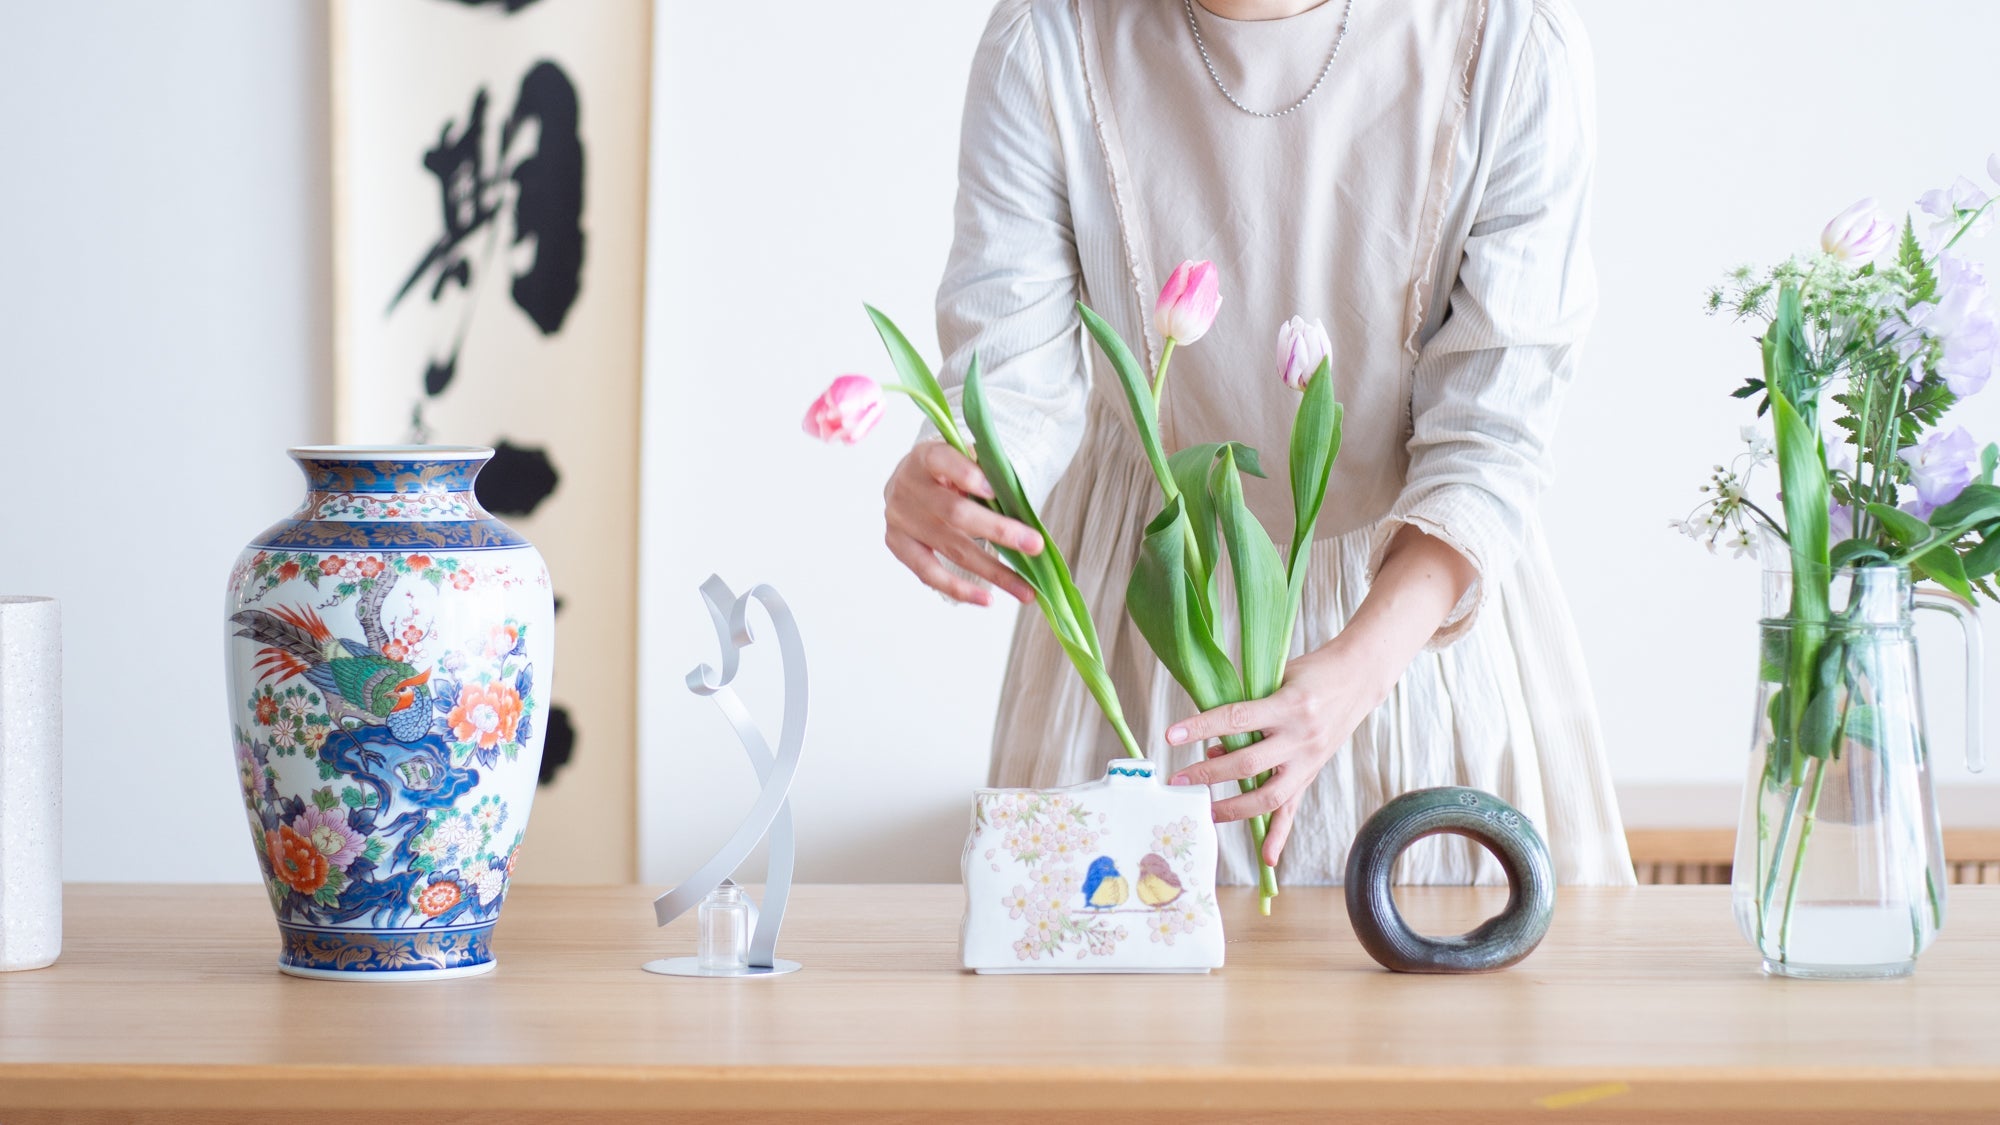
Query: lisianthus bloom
{"points": [[1858, 235], [1940, 467], [1302, 345], [1188, 303], [845, 411]]}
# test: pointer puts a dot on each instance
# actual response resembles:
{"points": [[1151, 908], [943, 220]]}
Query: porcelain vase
{"points": [[389, 660], [1112, 876]]}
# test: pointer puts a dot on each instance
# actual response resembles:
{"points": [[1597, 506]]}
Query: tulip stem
{"points": [[946, 428], [1160, 375]]}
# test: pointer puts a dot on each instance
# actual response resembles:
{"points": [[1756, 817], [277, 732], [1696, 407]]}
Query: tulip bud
{"points": [[1858, 235], [846, 411], [1187, 303], [1301, 347]]}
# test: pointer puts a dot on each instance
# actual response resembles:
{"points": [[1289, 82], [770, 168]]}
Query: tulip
{"points": [[1301, 348], [1858, 235], [1187, 303], [846, 411]]}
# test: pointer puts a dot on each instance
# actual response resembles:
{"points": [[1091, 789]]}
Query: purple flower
{"points": [[328, 831], [1947, 207], [1940, 467], [1963, 321], [1839, 523]]}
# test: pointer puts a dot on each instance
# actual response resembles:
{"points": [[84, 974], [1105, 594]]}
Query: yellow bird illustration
{"points": [[1158, 885], [1103, 886]]}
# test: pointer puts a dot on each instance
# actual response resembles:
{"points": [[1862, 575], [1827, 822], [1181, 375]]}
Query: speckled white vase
{"points": [[30, 782], [1111, 876]]}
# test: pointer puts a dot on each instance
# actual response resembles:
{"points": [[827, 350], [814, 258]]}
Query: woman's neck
{"points": [[1258, 9]]}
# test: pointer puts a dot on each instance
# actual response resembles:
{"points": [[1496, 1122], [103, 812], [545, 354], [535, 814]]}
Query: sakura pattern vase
{"points": [[389, 655], [1111, 876]]}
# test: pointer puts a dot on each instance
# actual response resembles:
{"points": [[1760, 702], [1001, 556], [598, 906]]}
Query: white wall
{"points": [[788, 191], [163, 337]]}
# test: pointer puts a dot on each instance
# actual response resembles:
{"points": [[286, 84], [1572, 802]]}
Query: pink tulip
{"points": [[1858, 235], [1301, 347], [847, 411], [1187, 303]]}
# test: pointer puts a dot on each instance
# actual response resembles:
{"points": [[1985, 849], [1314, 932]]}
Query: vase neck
{"points": [[391, 483], [1866, 595]]}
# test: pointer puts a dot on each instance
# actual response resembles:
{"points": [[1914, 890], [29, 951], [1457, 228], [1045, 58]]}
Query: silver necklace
{"points": [[1323, 71]]}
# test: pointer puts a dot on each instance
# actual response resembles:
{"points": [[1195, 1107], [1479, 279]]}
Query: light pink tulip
{"points": [[1859, 234], [1301, 347], [1187, 303], [846, 411]]}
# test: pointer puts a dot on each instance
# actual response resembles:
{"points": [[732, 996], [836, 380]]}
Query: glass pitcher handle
{"points": [[1967, 616]]}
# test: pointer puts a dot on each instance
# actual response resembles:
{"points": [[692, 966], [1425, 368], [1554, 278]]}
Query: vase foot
{"points": [[1889, 970], [377, 975], [329, 953]]}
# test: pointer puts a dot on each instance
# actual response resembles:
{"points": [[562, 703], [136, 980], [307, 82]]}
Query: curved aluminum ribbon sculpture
{"points": [[772, 813]]}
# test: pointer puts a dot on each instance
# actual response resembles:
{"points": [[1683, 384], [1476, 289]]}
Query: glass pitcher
{"points": [[1839, 867]]}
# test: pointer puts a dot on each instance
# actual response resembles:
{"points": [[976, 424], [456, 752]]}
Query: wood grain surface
{"points": [[1643, 1004]]}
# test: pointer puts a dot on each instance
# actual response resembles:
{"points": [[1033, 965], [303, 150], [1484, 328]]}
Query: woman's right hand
{"points": [[931, 511]]}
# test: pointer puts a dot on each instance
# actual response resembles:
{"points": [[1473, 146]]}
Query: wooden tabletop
{"points": [[1643, 1004]]}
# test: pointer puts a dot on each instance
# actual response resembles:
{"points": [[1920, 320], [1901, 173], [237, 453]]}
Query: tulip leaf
{"points": [[1264, 627], [1190, 468], [1315, 445], [1165, 605], [1138, 393], [1784, 347], [910, 367], [1065, 608]]}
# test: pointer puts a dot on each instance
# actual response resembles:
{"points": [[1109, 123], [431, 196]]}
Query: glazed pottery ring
{"points": [[1498, 942]]}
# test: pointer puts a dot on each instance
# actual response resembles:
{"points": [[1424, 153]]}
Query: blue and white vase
{"points": [[389, 650]]}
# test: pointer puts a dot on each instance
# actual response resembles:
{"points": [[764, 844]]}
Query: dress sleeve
{"points": [[1010, 287], [1489, 384]]}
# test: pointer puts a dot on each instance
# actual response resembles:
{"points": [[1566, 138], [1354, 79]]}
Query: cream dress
{"points": [[1430, 204]]}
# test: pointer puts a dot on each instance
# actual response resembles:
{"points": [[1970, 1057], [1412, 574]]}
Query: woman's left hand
{"points": [[1303, 723], [1328, 691]]}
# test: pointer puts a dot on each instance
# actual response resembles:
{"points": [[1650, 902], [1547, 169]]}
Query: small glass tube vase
{"points": [[723, 945]]}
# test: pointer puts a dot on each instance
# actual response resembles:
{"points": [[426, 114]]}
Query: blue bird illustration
{"points": [[1104, 887]]}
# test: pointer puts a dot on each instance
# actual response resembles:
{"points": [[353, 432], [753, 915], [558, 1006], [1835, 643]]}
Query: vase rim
{"points": [[390, 452]]}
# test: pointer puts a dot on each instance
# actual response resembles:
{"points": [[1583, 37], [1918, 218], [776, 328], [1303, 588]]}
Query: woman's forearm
{"points": [[1421, 581]]}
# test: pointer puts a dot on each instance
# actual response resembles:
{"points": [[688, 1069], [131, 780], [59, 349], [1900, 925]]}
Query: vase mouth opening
{"points": [[364, 453]]}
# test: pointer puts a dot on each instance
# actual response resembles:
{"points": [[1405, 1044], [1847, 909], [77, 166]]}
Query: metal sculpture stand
{"points": [[1498, 942], [772, 813]]}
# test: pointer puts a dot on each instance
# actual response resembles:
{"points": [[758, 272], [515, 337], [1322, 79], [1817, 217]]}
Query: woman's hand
{"points": [[1327, 692], [930, 509]]}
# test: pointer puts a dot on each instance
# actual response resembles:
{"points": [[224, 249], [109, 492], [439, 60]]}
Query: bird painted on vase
{"points": [[358, 681], [1103, 886], [1158, 885]]}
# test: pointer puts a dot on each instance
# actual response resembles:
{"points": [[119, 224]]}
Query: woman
{"points": [[1415, 172]]}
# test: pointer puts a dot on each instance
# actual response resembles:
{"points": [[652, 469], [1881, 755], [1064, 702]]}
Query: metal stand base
{"points": [[691, 967]]}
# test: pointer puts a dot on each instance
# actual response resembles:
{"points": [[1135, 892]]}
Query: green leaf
{"points": [[1264, 627], [1164, 604], [351, 797], [1802, 475], [1858, 552], [910, 367], [1942, 565], [1906, 529], [1784, 349], [324, 800], [1977, 504], [1989, 460], [1315, 445], [1983, 559], [1190, 468], [1138, 394]]}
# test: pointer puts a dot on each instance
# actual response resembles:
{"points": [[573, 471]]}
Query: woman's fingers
{"points": [[954, 470], [1236, 764], [1247, 717], [968, 555], [923, 562], [1279, 831], [981, 522], [1266, 798]]}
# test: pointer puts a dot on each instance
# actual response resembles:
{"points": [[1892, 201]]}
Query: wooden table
{"points": [[1643, 1004]]}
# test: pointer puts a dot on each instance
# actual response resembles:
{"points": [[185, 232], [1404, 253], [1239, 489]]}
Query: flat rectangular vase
{"points": [[1111, 876]]}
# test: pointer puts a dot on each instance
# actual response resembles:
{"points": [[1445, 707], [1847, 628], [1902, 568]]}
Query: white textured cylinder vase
{"points": [[30, 782]]}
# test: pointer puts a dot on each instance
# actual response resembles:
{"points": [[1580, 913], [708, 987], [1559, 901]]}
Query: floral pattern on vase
{"points": [[386, 704], [1068, 880]]}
